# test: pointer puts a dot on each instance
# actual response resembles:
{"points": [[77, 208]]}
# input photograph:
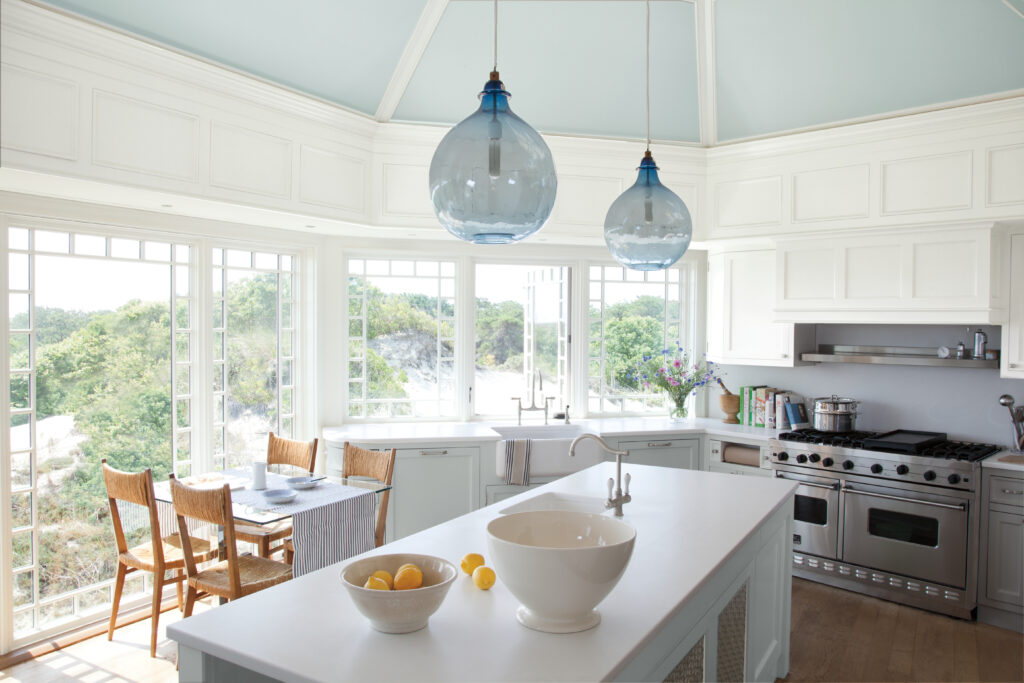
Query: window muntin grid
{"points": [[33, 614], [265, 282], [625, 305], [396, 306]]}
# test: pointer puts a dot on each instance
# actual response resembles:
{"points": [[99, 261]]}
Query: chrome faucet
{"points": [[620, 498], [536, 379], [1017, 417]]}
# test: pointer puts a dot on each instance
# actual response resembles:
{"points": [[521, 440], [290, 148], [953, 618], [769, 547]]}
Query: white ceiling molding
{"points": [[705, 27], [410, 59], [1017, 6]]}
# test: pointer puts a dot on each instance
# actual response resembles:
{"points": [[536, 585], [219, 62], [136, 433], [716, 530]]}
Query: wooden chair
{"points": [[158, 555], [360, 462], [300, 454], [234, 576]]}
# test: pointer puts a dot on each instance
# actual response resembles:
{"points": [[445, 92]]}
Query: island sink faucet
{"points": [[620, 498], [536, 382]]}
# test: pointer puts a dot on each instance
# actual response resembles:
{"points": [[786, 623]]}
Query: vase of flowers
{"points": [[672, 371]]}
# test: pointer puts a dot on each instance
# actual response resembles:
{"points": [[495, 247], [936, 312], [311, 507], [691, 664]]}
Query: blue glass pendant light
{"points": [[492, 178], [648, 227]]}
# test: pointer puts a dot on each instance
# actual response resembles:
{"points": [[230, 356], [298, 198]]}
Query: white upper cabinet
{"points": [[942, 276], [1013, 331], [740, 318]]}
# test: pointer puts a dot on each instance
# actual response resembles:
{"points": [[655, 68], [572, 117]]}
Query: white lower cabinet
{"points": [[740, 313], [432, 485], [1001, 574], [1013, 332], [663, 452]]}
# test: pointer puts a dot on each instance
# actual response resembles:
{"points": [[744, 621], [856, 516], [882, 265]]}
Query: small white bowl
{"points": [[279, 496], [302, 483], [399, 611], [559, 564]]}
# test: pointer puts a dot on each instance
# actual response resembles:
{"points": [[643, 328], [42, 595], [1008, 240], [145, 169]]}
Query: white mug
{"points": [[259, 475]]}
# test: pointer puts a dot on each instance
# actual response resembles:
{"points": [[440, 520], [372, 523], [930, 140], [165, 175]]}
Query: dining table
{"points": [[331, 521]]}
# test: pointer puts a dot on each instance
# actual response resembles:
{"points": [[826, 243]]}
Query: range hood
{"points": [[891, 355]]}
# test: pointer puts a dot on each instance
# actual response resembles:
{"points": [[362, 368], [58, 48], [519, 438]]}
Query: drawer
{"points": [[436, 451], [1006, 491]]}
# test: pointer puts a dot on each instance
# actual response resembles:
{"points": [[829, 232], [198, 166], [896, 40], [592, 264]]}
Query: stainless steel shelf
{"points": [[891, 355]]}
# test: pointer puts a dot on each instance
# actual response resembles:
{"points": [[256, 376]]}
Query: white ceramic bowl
{"points": [[399, 611], [279, 496], [559, 564], [302, 483]]}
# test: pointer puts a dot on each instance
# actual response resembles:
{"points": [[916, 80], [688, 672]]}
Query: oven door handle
{"points": [[958, 506], [832, 487]]}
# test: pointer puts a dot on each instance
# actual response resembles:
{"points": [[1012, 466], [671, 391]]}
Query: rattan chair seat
{"points": [[254, 533], [141, 556], [256, 573]]}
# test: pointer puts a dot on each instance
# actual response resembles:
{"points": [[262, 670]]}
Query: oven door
{"points": [[815, 514], [917, 534]]}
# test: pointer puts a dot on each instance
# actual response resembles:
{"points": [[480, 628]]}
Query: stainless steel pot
{"points": [[835, 414]]}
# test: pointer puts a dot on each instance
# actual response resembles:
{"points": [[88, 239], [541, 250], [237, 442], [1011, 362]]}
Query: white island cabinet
{"points": [[707, 589]]}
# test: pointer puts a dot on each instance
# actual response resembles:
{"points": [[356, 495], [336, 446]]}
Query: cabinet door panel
{"points": [[1013, 335], [1005, 580], [431, 486], [680, 453]]}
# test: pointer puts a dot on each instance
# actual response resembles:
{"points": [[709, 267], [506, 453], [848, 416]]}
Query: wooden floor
{"points": [[837, 636], [843, 636]]}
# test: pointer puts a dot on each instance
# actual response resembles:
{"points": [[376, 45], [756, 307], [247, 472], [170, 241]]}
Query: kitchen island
{"points": [[709, 583]]}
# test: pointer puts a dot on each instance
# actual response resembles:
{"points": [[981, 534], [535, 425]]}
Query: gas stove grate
{"points": [[960, 450], [820, 438]]}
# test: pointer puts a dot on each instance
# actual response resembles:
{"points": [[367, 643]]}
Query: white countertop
{"points": [[999, 461], [307, 629], [396, 434]]}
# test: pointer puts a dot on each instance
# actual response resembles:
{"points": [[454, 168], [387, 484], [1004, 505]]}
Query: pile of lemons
{"points": [[483, 576], [407, 577]]}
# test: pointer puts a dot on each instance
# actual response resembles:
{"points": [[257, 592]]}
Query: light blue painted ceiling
{"points": [[579, 70], [343, 51], [576, 66], [785, 64]]}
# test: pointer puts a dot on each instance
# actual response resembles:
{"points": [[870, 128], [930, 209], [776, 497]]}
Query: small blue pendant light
{"points": [[492, 178], [648, 227]]}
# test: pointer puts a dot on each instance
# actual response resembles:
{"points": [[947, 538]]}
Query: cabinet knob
{"points": [[785, 355]]}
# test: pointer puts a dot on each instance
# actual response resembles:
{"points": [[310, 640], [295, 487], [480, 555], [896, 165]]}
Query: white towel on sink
{"points": [[517, 462]]}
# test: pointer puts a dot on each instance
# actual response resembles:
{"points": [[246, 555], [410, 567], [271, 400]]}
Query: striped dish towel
{"points": [[517, 462]]}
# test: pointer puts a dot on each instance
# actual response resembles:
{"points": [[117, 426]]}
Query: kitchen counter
{"points": [[696, 547], [397, 434], [1004, 460]]}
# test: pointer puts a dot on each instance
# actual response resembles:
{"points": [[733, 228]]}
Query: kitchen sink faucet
{"points": [[620, 498], [536, 382]]}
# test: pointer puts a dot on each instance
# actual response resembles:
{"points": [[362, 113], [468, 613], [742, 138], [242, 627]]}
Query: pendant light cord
{"points": [[647, 67], [495, 35]]}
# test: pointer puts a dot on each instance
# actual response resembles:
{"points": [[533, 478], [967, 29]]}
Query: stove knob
{"points": [[783, 456], [902, 469], [814, 457], [953, 479], [801, 458], [848, 465], [876, 469], [929, 475], [828, 462]]}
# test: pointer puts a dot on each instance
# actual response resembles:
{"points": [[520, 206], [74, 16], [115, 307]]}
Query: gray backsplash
{"points": [[961, 402]]}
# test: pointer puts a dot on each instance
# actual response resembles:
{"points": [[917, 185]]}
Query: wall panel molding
{"points": [[1004, 168], [49, 124], [250, 160], [940, 182], [332, 179], [749, 202], [832, 193]]}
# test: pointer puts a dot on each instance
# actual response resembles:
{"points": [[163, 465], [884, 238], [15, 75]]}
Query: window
{"points": [[401, 337], [631, 313], [100, 332], [254, 340], [522, 337]]}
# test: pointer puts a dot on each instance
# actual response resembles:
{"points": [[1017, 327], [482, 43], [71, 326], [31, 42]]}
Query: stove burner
{"points": [[815, 436], [960, 450]]}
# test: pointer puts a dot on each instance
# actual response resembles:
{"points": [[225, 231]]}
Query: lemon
{"points": [[376, 583], [471, 561], [407, 564], [385, 577], [408, 577], [483, 577]]}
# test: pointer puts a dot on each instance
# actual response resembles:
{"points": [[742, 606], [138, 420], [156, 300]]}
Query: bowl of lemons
{"points": [[398, 592]]}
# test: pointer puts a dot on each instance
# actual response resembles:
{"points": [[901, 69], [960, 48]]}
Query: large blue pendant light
{"points": [[648, 227], [492, 178]]}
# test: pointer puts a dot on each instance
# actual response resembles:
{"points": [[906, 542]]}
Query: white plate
{"points": [[279, 496], [302, 482]]}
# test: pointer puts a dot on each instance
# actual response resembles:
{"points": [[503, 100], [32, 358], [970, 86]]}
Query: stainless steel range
{"points": [[894, 515]]}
